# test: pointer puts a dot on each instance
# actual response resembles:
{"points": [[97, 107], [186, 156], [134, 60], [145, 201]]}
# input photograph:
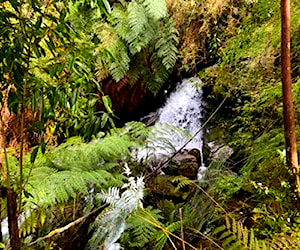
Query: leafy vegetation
{"points": [[75, 181], [139, 41]]}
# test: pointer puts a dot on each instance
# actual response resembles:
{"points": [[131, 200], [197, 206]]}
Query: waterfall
{"points": [[178, 120]]}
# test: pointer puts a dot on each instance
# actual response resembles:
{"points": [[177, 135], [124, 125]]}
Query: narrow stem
{"points": [[22, 110], [5, 175], [181, 229]]}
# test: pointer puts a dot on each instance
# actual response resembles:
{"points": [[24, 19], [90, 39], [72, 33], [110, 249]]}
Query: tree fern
{"points": [[138, 33], [74, 165], [75, 168]]}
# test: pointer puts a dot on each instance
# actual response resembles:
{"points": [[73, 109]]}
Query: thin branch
{"points": [[181, 228], [60, 230]]}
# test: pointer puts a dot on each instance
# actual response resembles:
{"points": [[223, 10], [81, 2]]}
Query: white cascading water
{"points": [[182, 109]]}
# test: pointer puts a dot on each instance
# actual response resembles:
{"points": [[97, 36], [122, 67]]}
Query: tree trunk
{"points": [[12, 215], [288, 107], [1, 236]]}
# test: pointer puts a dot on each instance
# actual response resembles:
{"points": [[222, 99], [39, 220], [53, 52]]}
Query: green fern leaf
{"points": [[120, 23], [156, 9], [120, 62], [137, 18], [182, 182], [139, 231], [224, 235], [162, 236], [245, 236], [219, 229], [229, 242], [161, 241], [166, 45]]}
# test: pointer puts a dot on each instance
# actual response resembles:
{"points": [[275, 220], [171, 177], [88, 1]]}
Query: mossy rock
{"points": [[162, 185]]}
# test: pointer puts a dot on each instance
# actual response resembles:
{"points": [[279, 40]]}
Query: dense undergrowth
{"points": [[82, 193], [248, 73]]}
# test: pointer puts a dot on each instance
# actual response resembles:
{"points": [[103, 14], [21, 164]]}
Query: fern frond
{"points": [[137, 18], [50, 187], [156, 9], [165, 139], [134, 76], [166, 45], [182, 182], [284, 243], [137, 129], [114, 52], [234, 236], [120, 61], [164, 234], [119, 22], [30, 224], [161, 74], [139, 231], [112, 196], [73, 166], [135, 28], [161, 241], [111, 224]]}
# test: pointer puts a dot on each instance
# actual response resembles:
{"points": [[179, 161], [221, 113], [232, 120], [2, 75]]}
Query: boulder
{"points": [[185, 163]]}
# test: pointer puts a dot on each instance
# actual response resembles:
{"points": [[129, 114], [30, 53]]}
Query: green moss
{"points": [[249, 72]]}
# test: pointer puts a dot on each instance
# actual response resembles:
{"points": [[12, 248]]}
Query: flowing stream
{"points": [[177, 121]]}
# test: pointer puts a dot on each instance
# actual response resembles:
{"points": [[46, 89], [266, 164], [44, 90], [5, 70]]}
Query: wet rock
{"points": [[183, 164], [195, 152], [186, 164], [219, 152]]}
